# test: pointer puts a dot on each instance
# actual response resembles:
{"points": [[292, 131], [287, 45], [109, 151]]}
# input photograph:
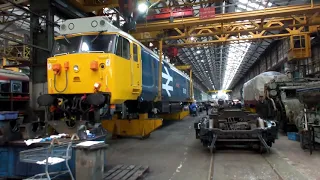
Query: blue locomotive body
{"points": [[175, 84]]}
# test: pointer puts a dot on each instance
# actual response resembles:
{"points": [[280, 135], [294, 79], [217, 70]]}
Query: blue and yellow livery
{"points": [[97, 67]]}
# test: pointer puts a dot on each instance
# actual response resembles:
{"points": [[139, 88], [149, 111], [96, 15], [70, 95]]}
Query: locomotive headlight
{"points": [[76, 68]]}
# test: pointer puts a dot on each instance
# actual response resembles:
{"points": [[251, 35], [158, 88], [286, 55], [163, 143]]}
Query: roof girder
{"points": [[228, 18], [245, 31]]}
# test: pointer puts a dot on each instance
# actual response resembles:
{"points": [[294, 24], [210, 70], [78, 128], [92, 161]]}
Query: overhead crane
{"points": [[231, 27], [296, 22]]}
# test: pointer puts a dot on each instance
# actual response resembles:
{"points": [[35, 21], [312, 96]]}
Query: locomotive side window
{"points": [[123, 48], [5, 86], [126, 49], [135, 52], [119, 47]]}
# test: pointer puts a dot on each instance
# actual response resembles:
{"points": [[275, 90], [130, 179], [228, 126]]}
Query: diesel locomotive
{"points": [[97, 71]]}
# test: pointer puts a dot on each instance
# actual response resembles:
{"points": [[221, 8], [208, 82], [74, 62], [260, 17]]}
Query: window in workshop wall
{"points": [[316, 58], [257, 69], [286, 45], [306, 66], [310, 67], [301, 68], [262, 64], [274, 58], [267, 61], [280, 52], [312, 61]]}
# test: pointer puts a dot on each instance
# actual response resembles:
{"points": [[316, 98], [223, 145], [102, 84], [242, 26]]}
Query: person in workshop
{"points": [[193, 109], [262, 108], [238, 105], [207, 106]]}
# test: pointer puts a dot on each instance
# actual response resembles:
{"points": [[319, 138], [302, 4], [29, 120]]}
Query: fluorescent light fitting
{"points": [[142, 8]]}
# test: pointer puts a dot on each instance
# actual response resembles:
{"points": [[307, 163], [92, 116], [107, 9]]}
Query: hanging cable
{"points": [[54, 83]]}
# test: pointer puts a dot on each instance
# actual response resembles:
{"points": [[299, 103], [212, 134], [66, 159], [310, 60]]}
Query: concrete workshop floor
{"points": [[173, 153]]}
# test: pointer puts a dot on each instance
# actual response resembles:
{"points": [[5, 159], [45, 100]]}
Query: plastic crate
{"points": [[294, 136], [9, 115]]}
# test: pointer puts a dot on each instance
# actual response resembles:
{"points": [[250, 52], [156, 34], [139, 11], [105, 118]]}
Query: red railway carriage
{"points": [[14, 90]]}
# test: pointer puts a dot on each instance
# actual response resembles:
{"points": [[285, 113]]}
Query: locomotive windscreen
{"points": [[77, 44]]}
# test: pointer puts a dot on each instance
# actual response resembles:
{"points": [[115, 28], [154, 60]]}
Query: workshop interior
{"points": [[159, 89]]}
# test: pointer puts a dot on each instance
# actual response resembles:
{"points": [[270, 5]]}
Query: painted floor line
{"points": [[210, 167]]}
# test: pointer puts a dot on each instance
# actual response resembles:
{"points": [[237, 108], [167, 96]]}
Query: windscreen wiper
{"points": [[96, 36], [65, 38]]}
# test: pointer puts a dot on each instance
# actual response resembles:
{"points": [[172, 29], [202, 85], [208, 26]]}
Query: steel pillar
{"points": [[42, 36]]}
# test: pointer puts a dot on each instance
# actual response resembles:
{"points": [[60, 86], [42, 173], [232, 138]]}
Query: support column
{"points": [[40, 36], [159, 97]]}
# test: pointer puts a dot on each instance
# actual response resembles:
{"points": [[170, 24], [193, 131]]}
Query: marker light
{"points": [[97, 85], [76, 68], [142, 8]]}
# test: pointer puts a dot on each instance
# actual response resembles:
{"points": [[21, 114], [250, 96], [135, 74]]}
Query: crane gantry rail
{"points": [[239, 26]]}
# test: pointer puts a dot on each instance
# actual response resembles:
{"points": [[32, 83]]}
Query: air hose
{"points": [[54, 83]]}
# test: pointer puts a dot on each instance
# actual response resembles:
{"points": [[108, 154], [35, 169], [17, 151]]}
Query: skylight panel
{"points": [[249, 9], [253, 5], [242, 6], [243, 1], [237, 51]]}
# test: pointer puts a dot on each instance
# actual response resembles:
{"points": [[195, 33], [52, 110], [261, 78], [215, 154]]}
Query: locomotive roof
{"points": [[90, 24]]}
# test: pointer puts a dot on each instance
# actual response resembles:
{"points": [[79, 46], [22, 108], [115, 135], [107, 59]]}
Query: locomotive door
{"points": [[136, 77]]}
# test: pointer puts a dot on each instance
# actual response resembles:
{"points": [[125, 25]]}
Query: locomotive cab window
{"points": [[87, 43], [123, 48], [135, 52]]}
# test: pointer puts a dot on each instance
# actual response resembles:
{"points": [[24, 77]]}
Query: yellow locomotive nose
{"points": [[82, 73]]}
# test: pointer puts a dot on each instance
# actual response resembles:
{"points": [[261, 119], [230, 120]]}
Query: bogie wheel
{"points": [[145, 137]]}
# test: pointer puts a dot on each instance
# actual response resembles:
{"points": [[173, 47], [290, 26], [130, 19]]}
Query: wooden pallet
{"points": [[125, 172]]}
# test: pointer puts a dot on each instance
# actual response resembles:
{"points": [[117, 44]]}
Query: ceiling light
{"points": [[142, 8], [150, 44], [192, 38], [202, 60], [198, 52], [206, 71]]}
